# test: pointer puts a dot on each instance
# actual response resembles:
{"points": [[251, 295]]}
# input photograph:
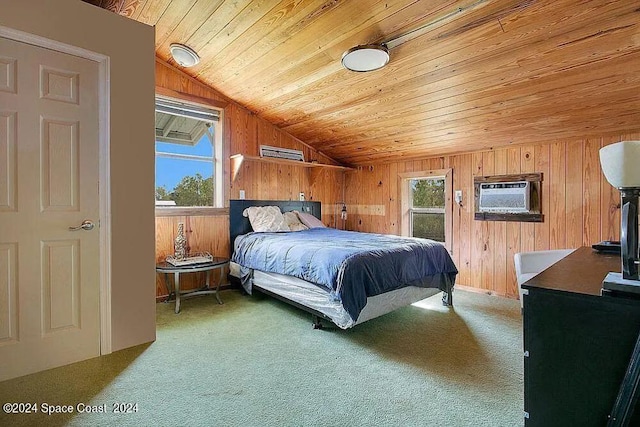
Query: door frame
{"points": [[104, 184]]}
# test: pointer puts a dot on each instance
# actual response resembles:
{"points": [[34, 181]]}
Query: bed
{"points": [[344, 277]]}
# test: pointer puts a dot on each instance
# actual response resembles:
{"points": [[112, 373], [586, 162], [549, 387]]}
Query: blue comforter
{"points": [[350, 265]]}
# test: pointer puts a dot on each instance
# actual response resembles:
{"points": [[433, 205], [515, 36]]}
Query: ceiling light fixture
{"points": [[184, 55], [365, 58], [370, 57]]}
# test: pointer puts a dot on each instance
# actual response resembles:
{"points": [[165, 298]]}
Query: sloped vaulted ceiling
{"points": [[479, 73]]}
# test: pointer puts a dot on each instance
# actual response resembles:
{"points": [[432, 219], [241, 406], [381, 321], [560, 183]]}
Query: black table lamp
{"points": [[620, 164]]}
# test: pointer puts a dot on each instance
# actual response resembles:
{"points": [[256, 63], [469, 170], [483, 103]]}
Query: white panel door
{"points": [[49, 275]]}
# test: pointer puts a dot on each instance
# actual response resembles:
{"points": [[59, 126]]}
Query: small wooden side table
{"points": [[167, 268]]}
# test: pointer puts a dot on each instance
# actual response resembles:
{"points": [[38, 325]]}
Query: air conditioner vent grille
{"points": [[281, 153], [508, 197]]}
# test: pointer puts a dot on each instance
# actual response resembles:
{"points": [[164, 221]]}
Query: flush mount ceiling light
{"points": [[370, 57], [184, 55], [365, 58]]}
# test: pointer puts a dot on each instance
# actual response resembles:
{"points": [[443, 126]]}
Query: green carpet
{"points": [[255, 361]]}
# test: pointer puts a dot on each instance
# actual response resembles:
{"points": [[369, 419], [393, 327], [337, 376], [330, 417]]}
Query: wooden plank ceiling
{"points": [[479, 74]]}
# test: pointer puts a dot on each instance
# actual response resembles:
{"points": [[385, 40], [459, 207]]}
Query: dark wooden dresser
{"points": [[577, 343]]}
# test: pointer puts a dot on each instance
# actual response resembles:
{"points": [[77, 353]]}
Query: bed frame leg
{"points": [[447, 298], [316, 322]]}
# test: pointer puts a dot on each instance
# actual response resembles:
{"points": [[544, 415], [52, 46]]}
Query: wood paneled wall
{"points": [[578, 204], [243, 133], [204, 234]]}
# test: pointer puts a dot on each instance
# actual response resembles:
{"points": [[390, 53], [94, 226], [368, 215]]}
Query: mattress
{"points": [[351, 266], [312, 296]]}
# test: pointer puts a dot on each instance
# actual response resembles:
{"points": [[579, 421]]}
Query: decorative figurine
{"points": [[180, 244]]}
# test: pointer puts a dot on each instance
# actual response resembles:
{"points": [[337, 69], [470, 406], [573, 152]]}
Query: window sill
{"points": [[192, 211]]}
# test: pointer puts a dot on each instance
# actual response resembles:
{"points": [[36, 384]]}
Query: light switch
{"points": [[458, 197], [242, 195]]}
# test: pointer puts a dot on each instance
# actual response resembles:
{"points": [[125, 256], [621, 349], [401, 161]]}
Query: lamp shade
{"points": [[365, 58], [620, 164]]}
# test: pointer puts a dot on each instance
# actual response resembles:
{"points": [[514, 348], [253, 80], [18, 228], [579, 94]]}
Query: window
{"points": [[425, 205], [188, 155], [427, 208]]}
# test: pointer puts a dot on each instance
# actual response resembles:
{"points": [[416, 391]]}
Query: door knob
{"points": [[86, 225]]}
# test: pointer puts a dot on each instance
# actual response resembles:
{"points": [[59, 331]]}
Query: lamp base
{"points": [[615, 282]]}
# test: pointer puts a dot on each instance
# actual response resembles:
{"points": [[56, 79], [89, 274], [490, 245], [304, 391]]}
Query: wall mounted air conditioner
{"points": [[281, 153], [507, 197]]}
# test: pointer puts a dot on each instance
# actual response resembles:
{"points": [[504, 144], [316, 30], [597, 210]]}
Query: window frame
{"points": [[405, 202], [219, 189], [413, 210]]}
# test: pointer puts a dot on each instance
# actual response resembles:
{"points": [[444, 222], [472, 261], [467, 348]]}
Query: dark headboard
{"points": [[238, 224]]}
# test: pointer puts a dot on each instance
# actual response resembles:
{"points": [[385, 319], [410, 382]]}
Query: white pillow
{"points": [[292, 220], [266, 218]]}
